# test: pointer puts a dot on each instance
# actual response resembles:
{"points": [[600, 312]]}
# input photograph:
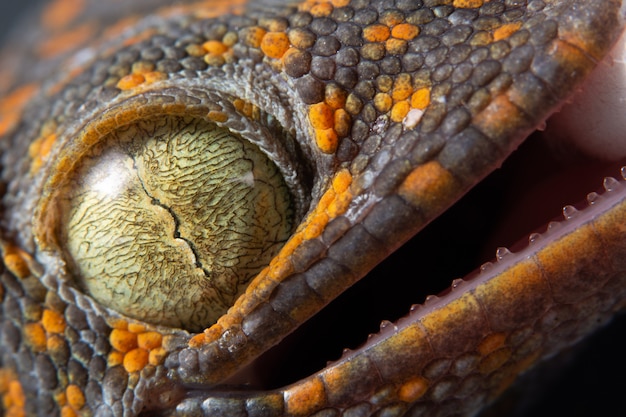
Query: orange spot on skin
{"points": [[275, 44], [413, 389], [60, 13], [420, 99], [35, 336], [11, 107], [149, 340], [16, 261], [60, 398], [154, 76], [13, 399], [496, 119], [130, 81], [75, 396], [66, 41], [123, 340], [305, 398], [53, 322], [429, 187], [253, 36], [491, 343], [239, 104], [157, 356], [136, 328], [326, 140], [402, 87], [135, 360], [399, 111], [506, 30], [118, 324], [115, 358], [316, 226], [215, 47], [335, 96], [376, 33], [405, 31], [217, 116], [321, 116], [16, 265], [292, 244], [247, 109], [339, 205], [322, 10], [280, 266], [39, 151], [67, 411], [467, 4], [342, 181]]}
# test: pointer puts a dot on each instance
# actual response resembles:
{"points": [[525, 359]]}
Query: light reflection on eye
{"points": [[109, 177], [167, 220]]}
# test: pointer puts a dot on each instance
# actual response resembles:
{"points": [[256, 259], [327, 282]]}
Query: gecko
{"points": [[186, 183]]}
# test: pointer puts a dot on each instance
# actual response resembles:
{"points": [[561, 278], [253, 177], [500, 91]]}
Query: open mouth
{"points": [[522, 197]]}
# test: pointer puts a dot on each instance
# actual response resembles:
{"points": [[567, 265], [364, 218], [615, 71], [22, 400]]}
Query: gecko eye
{"points": [[167, 219]]}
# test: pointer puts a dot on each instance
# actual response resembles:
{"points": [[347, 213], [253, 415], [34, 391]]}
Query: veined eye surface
{"points": [[167, 219]]}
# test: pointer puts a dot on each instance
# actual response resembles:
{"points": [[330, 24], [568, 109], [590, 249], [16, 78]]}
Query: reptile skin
{"points": [[380, 115]]}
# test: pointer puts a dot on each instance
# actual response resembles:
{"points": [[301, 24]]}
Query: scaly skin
{"points": [[347, 82]]}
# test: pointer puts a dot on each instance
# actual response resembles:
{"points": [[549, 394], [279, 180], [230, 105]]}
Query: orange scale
{"points": [[322, 10], [123, 340], [135, 360], [420, 99], [321, 116], [399, 111], [215, 47], [376, 33], [275, 44], [53, 322], [130, 81], [405, 31], [327, 140]]}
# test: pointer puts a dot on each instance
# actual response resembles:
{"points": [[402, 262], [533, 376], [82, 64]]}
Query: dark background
{"points": [[592, 381]]}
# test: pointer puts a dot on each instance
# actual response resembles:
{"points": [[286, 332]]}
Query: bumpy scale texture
{"points": [[377, 115]]}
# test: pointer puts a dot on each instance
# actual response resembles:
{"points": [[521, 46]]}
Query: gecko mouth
{"points": [[528, 191]]}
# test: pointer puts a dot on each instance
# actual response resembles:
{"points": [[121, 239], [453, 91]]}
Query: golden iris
{"points": [[167, 219]]}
